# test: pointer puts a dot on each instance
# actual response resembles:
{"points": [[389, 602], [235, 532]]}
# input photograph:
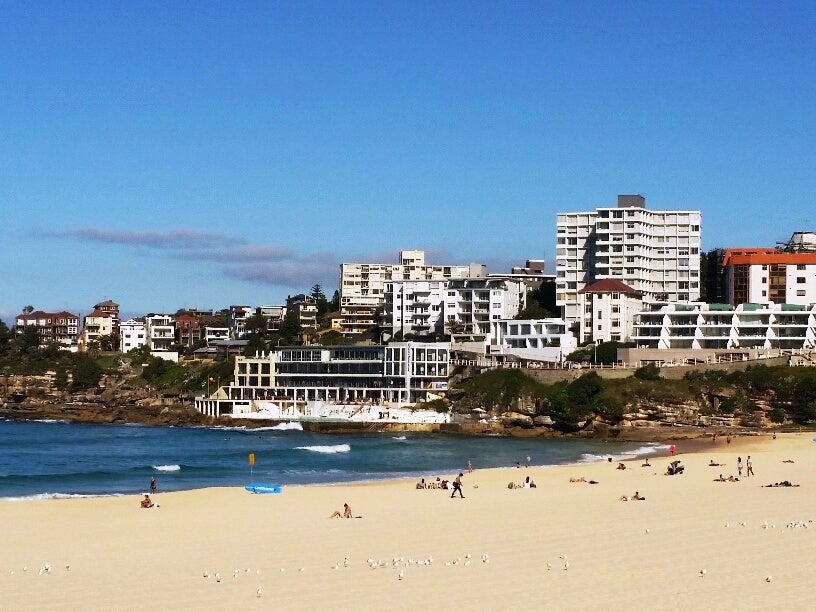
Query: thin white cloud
{"points": [[172, 239]]}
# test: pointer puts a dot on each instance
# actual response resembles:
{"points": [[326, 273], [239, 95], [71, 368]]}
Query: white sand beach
{"points": [[693, 544]]}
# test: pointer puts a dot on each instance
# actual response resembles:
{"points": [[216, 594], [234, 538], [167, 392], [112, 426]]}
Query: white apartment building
{"points": [[215, 334], [236, 320], [608, 308], [161, 331], [132, 334], [656, 253], [723, 326], [532, 339], [414, 307], [762, 275], [472, 304], [362, 285], [274, 316]]}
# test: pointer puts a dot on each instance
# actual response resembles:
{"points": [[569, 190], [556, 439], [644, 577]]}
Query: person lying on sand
{"points": [[713, 463], [583, 479], [637, 496], [724, 479], [784, 483], [788, 461]]}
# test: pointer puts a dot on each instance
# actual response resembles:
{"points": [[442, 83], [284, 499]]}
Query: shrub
{"points": [[648, 372]]}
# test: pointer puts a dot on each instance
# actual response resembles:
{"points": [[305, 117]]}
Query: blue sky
{"points": [[193, 154]]}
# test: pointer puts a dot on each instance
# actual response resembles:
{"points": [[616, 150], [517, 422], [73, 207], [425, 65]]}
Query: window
{"points": [[800, 279], [800, 266], [800, 293]]}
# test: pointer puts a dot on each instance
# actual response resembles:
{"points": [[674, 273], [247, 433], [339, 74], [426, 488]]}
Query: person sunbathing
{"points": [[636, 497], [581, 479], [346, 512], [712, 463], [147, 502], [784, 483], [787, 461]]}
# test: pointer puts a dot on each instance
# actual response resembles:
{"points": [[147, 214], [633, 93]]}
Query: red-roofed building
{"points": [[97, 325], [764, 275], [54, 327], [608, 308]]}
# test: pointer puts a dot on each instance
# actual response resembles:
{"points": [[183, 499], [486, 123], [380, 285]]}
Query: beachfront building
{"points": [[372, 382], [545, 340], [236, 320], [132, 335], [608, 308], [273, 315], [110, 308], [189, 331], [762, 275], [414, 307], [362, 286], [531, 274], [472, 304], [762, 327], [97, 326], [305, 309], [214, 334], [656, 253], [161, 331], [60, 328]]}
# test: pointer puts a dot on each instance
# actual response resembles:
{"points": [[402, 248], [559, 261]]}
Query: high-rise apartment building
{"points": [[656, 253], [362, 285]]}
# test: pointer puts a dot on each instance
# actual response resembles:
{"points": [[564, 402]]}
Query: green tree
{"points": [[320, 300], [86, 373], [28, 340], [290, 328], [607, 352], [334, 305]]}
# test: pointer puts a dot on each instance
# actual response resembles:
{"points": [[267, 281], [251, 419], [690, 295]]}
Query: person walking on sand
{"points": [[739, 466], [470, 467], [457, 486], [152, 484], [527, 464], [749, 467]]}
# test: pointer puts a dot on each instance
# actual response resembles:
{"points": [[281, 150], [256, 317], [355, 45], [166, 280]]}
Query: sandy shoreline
{"points": [[620, 554]]}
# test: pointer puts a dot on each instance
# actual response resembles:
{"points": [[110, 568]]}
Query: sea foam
{"points": [[167, 468], [57, 496], [336, 448], [290, 425]]}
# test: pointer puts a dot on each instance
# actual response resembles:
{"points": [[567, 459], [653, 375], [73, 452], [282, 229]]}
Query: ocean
{"points": [[51, 459]]}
